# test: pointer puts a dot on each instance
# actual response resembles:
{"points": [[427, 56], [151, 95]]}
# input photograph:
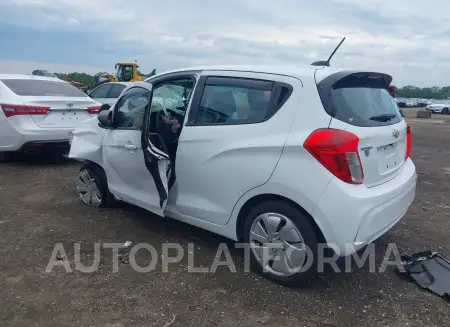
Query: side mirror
{"points": [[104, 106], [105, 118]]}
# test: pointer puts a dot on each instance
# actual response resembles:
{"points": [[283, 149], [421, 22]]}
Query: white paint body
{"points": [[220, 168], [56, 125], [437, 108]]}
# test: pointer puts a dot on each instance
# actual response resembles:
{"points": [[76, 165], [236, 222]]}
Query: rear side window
{"points": [[100, 92], [31, 87], [116, 90], [230, 101], [360, 99]]}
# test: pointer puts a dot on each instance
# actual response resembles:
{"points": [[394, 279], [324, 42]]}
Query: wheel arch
{"points": [[93, 164], [255, 200]]}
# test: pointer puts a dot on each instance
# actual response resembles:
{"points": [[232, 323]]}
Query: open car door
{"points": [[156, 155], [136, 170]]}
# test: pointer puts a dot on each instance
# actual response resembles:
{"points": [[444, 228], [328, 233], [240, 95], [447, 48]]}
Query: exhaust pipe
{"points": [[31, 151]]}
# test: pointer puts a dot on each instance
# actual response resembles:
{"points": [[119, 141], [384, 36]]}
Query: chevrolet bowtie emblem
{"points": [[367, 150]]}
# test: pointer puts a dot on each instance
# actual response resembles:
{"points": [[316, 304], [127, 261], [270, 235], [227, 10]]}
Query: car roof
{"points": [[32, 77], [293, 71], [122, 83]]}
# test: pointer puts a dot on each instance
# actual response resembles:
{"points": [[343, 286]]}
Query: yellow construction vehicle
{"points": [[127, 72]]}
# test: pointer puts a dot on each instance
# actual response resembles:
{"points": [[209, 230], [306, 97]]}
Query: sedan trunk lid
{"points": [[65, 112]]}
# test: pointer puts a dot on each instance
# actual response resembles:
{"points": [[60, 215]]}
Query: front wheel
{"points": [[445, 111], [92, 187], [283, 244]]}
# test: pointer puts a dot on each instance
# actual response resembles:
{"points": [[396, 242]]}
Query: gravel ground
{"points": [[39, 207]]}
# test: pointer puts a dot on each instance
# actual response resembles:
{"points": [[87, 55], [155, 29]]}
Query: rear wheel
{"points": [[92, 186], [445, 111], [283, 244]]}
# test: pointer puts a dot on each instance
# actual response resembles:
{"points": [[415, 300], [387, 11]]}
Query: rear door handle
{"points": [[130, 146]]}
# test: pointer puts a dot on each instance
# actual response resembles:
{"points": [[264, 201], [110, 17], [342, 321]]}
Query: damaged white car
{"points": [[281, 158]]}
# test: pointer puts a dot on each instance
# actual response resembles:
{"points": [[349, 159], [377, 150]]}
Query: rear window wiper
{"points": [[383, 118]]}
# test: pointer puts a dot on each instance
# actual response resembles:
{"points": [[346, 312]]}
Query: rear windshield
{"points": [[30, 87], [361, 100]]}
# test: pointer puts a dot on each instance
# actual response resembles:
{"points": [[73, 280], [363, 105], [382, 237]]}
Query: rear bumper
{"points": [[17, 135], [33, 147], [355, 215]]}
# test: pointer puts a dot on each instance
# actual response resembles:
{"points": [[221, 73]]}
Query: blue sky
{"points": [[408, 39]]}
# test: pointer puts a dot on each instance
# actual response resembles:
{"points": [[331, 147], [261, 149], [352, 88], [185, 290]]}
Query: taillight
{"points": [[337, 151], [15, 110], [408, 141], [93, 110]]}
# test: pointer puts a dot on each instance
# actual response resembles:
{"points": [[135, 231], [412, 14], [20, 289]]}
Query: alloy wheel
{"points": [[87, 189], [277, 244]]}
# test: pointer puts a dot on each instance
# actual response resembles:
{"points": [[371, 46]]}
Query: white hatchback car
{"points": [[38, 113], [282, 158]]}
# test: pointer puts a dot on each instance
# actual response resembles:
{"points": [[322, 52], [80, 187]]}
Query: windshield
{"points": [[29, 87], [124, 73]]}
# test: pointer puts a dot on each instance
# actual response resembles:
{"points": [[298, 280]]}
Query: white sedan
{"points": [[39, 113], [439, 108]]}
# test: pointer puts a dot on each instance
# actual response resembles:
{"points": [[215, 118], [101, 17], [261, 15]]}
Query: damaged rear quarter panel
{"points": [[87, 140]]}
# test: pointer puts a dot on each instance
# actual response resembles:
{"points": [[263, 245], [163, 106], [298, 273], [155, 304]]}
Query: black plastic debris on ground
{"points": [[429, 270]]}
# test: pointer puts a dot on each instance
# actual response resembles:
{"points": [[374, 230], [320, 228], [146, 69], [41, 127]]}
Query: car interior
{"points": [[168, 109], [222, 105]]}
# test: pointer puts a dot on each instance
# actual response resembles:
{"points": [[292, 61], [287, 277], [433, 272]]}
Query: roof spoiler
{"points": [[327, 63]]}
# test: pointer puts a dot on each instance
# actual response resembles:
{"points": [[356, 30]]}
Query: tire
{"points": [[445, 111], [278, 211], [91, 180]]}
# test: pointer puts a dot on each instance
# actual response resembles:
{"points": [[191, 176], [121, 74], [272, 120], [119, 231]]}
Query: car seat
{"points": [[258, 105]]}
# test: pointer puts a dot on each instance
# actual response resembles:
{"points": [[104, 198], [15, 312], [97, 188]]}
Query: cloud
{"points": [[405, 38]]}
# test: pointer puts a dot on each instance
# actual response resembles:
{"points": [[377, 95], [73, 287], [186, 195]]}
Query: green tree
{"points": [[84, 78], [434, 92]]}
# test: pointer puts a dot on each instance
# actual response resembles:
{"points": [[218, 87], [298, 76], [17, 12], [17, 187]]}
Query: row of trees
{"points": [[84, 78], [434, 92]]}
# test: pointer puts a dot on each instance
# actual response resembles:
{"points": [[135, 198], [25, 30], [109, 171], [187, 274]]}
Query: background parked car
{"points": [[38, 113], [401, 104], [439, 108], [108, 93], [43, 72]]}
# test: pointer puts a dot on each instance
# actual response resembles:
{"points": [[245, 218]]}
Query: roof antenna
{"points": [[327, 63]]}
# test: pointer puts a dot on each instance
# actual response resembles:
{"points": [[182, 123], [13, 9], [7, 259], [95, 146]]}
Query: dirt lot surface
{"points": [[39, 207]]}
